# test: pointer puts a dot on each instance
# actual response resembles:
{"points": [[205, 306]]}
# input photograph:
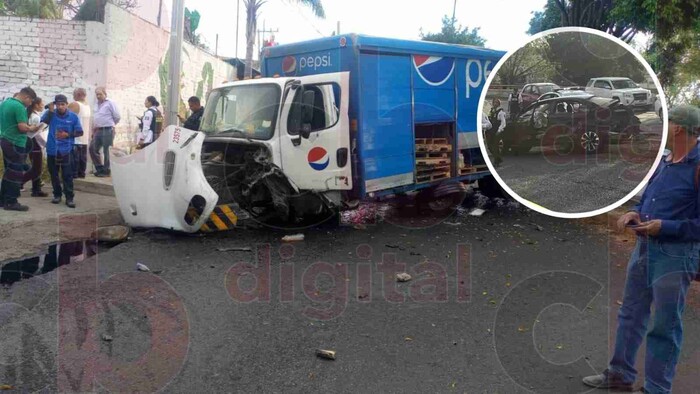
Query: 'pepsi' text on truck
{"points": [[334, 121]]}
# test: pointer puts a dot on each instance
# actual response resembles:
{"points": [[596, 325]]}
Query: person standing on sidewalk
{"points": [[80, 107], [147, 129], [35, 147], [663, 264], [64, 126], [14, 127], [105, 119]]}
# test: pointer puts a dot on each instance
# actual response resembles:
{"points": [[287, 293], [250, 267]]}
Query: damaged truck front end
{"points": [[244, 164]]}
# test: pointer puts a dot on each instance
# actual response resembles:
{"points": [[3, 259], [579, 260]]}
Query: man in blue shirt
{"points": [[663, 264], [64, 126]]}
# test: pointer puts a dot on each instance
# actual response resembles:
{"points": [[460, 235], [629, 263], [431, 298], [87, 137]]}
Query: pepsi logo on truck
{"points": [[293, 66], [434, 70]]}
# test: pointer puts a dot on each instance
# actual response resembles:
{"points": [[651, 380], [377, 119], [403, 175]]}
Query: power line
{"points": [[298, 11]]}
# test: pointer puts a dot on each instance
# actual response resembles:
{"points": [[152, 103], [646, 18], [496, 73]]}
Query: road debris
{"points": [[452, 224], [142, 267], [235, 249], [107, 338], [520, 226], [477, 212], [293, 238], [111, 234], [6, 387], [408, 339], [327, 354], [403, 277], [392, 246]]}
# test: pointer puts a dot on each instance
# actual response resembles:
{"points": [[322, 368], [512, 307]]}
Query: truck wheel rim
{"points": [[590, 141]]}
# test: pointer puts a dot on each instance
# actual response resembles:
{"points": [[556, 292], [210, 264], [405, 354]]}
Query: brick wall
{"points": [[126, 54], [47, 55]]}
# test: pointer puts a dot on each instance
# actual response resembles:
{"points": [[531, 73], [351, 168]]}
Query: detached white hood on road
{"points": [[154, 186]]}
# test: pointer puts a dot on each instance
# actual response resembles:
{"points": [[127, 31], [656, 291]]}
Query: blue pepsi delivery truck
{"points": [[332, 122]]}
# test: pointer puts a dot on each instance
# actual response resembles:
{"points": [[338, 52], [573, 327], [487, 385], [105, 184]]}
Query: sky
{"points": [[503, 22]]}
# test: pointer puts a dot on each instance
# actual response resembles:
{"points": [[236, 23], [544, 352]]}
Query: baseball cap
{"points": [[687, 116], [60, 99]]}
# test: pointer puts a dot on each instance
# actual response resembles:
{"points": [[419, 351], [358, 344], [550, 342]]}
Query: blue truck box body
{"points": [[395, 85]]}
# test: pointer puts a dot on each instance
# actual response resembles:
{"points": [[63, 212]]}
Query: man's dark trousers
{"points": [[14, 158], [36, 158], [79, 160], [61, 169], [102, 140]]}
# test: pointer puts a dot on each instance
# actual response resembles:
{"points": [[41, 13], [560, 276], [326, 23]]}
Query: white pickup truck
{"points": [[623, 89]]}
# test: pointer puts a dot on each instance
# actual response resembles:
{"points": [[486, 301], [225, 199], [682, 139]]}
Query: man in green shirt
{"points": [[13, 140]]}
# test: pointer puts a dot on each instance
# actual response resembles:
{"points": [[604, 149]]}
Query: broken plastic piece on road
{"points": [[107, 338], [452, 224], [6, 387], [477, 212], [142, 267], [403, 277], [235, 249], [327, 354], [293, 238]]}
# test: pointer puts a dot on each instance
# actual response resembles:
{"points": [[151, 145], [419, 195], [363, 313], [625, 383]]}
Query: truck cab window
{"points": [[315, 107], [247, 110]]}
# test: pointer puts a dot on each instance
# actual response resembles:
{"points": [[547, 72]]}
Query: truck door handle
{"points": [[342, 157], [296, 141]]}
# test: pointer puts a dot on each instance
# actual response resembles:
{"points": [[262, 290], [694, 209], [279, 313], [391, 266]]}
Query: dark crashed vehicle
{"points": [[585, 124]]}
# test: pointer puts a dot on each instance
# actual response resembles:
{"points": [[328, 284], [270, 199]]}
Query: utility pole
{"points": [[176, 37], [337, 32], [216, 48], [238, 18], [454, 12]]}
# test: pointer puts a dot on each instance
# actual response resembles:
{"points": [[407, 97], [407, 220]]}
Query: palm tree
{"points": [[43, 9], [252, 8]]}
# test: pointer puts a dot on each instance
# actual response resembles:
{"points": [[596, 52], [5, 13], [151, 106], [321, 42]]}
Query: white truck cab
{"points": [[275, 147]]}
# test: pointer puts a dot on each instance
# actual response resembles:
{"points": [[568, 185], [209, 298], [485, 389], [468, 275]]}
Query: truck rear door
{"points": [[315, 132]]}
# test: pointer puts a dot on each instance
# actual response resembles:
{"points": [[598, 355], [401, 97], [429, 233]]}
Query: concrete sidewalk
{"points": [[29, 233]]}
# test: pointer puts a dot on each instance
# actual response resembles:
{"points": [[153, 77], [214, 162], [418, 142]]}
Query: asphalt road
{"points": [[523, 306], [578, 182]]}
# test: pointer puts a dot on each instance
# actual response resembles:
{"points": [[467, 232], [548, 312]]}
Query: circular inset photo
{"points": [[572, 123]]}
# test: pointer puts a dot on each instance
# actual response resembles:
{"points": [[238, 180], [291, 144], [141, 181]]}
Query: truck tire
{"points": [[489, 187]]}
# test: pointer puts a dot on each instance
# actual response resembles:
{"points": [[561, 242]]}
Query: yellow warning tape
{"points": [[222, 218]]}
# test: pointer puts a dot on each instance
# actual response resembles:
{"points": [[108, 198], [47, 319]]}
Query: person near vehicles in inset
{"points": [[14, 126], [35, 151], [497, 117], [64, 126], [147, 128], [513, 104], [193, 122], [662, 266], [80, 107], [106, 118]]}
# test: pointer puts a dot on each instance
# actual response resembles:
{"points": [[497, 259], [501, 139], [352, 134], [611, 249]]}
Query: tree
{"points": [[672, 23], [252, 8], [550, 18], [93, 10], [452, 33], [527, 62], [44, 9]]}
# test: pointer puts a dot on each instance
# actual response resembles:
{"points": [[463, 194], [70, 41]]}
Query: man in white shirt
{"points": [[497, 117], [80, 148]]}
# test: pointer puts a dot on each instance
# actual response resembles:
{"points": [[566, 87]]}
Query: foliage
{"points": [[452, 33], [44, 9], [550, 18], [252, 9], [527, 64], [207, 78], [577, 58], [673, 24]]}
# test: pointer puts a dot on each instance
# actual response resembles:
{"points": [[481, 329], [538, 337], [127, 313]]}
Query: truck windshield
{"points": [[624, 84], [248, 111]]}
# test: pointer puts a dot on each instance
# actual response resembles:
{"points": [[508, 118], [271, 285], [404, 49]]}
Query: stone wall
{"points": [[126, 54]]}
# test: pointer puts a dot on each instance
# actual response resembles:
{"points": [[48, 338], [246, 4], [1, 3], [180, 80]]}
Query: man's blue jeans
{"points": [[659, 275]]}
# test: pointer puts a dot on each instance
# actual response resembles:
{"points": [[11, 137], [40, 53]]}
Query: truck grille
{"points": [[640, 96]]}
